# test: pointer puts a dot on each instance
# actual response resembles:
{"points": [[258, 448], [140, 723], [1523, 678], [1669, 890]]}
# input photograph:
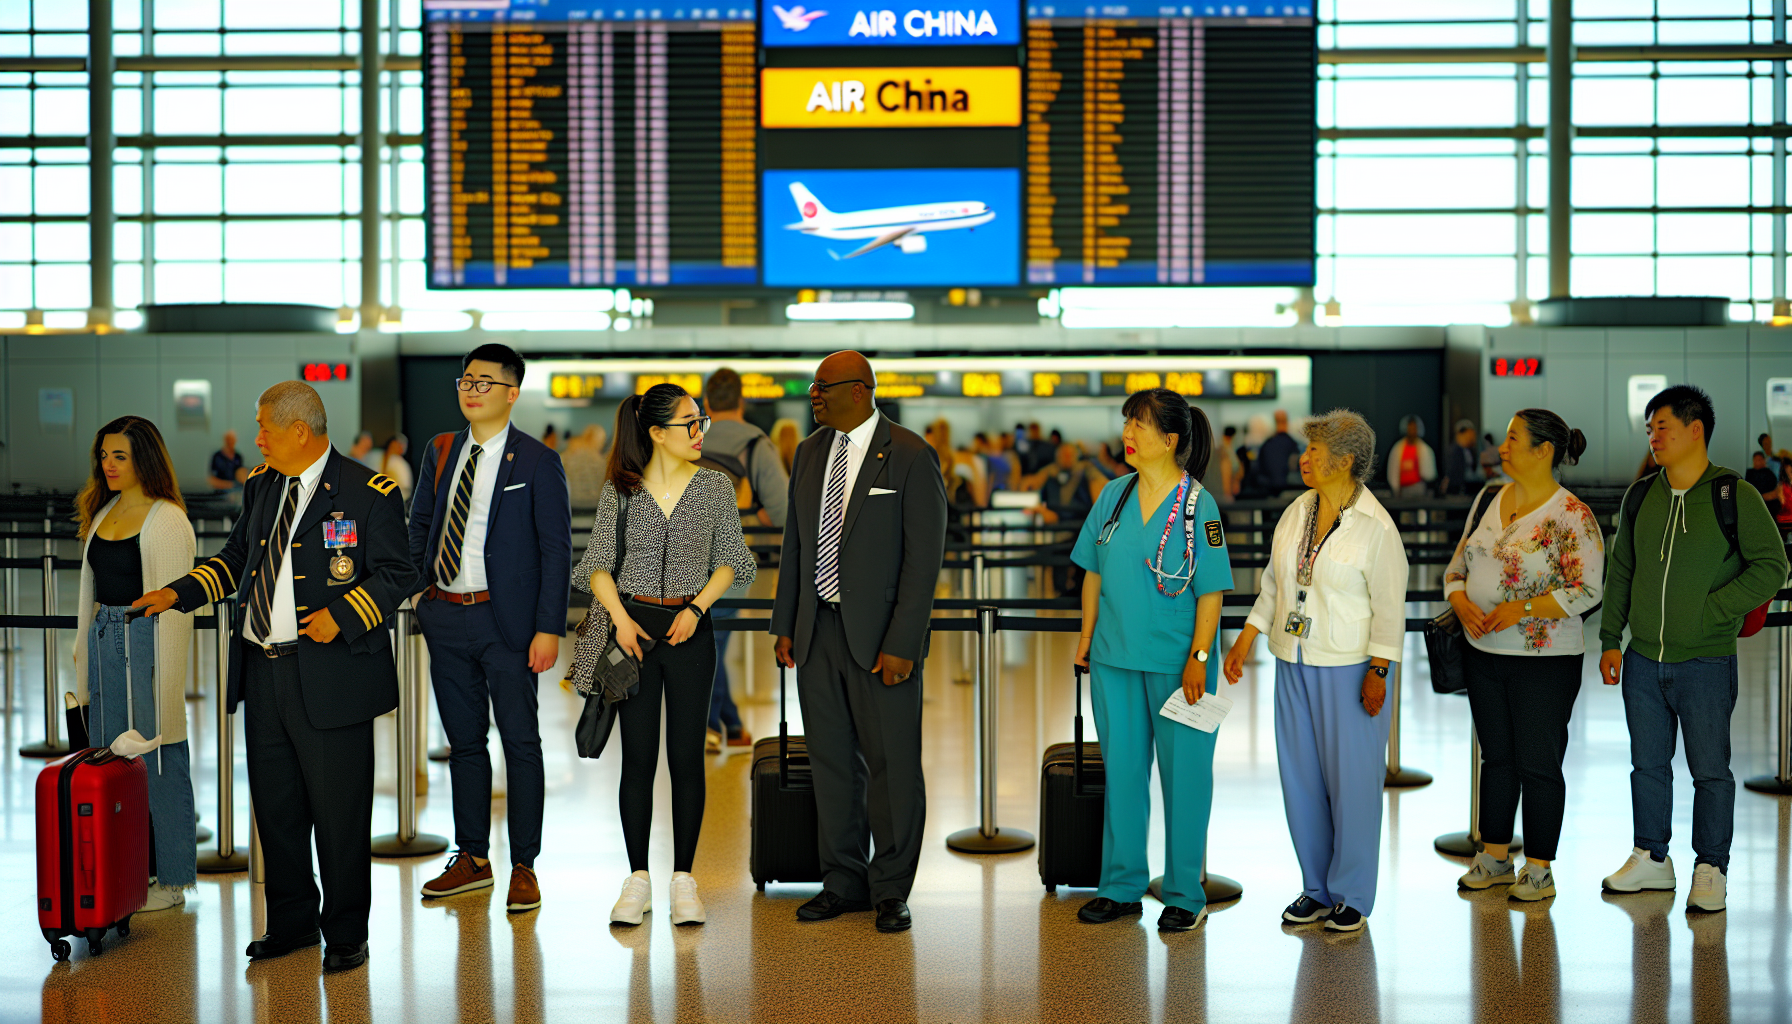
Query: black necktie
{"points": [[261, 597]]}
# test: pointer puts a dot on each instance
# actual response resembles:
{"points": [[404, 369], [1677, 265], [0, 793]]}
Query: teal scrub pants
{"points": [[1126, 719]]}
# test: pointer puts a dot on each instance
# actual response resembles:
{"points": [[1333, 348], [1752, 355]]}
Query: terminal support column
{"points": [[1780, 306], [1559, 136], [370, 164], [100, 141]]}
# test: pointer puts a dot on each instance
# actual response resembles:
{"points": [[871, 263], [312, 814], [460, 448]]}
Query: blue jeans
{"points": [[1698, 695], [173, 854], [721, 702]]}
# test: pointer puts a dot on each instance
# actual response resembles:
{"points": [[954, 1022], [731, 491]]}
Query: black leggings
{"points": [[684, 675], [1521, 705]]}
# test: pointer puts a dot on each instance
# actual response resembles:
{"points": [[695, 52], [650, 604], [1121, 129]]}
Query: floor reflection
{"points": [[1337, 981]]}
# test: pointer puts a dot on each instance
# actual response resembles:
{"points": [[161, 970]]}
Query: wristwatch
{"points": [[1200, 655], [1527, 607], [1380, 670]]}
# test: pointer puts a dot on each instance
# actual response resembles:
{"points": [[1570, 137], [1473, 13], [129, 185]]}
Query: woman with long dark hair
{"points": [[136, 539], [1155, 553], [685, 549]]}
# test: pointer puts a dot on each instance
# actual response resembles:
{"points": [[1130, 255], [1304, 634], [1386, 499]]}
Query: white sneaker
{"points": [[1641, 872], [168, 897], [1535, 882], [1484, 872], [636, 900], [1708, 885], [686, 907]]}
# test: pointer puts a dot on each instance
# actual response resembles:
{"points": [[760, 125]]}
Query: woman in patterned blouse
{"points": [[1530, 564], [682, 531]]}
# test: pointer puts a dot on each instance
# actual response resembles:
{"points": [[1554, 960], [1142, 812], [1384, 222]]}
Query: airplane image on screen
{"points": [[905, 227], [796, 19]]}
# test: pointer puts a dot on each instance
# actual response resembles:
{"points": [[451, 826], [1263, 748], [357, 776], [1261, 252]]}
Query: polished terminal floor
{"points": [[988, 943]]}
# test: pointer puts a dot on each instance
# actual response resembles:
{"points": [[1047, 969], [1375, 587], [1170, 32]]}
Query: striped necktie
{"points": [[448, 562], [833, 520], [261, 597]]}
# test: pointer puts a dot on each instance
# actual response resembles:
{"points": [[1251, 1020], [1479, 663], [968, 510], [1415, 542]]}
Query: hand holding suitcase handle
{"points": [[155, 602]]}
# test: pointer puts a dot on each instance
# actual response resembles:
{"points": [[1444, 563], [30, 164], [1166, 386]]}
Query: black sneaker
{"points": [[1176, 919], [1101, 910], [1305, 910], [1345, 919]]}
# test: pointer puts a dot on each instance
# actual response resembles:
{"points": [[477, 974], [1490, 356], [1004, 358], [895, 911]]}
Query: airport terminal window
{"points": [[244, 183]]}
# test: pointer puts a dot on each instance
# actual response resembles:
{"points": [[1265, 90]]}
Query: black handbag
{"points": [[1444, 641], [617, 675]]}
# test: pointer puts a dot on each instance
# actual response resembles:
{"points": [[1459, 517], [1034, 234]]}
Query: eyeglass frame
{"points": [[818, 385], [692, 427], [469, 384]]}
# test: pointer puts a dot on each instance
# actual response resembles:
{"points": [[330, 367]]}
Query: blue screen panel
{"points": [[870, 23], [582, 10]]}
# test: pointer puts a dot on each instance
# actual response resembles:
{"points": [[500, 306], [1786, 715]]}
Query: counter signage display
{"points": [[1213, 383]]}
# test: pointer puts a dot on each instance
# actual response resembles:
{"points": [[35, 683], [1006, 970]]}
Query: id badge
{"points": [[1298, 624], [341, 533]]}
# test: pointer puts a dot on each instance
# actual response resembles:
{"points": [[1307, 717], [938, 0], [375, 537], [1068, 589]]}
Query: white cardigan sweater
{"points": [[166, 544]]}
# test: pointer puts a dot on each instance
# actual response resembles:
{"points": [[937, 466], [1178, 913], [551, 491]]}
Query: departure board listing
{"points": [[873, 24], [1210, 383], [892, 228], [575, 10], [890, 97]]}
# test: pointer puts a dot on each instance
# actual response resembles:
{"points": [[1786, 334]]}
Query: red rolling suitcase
{"points": [[1071, 809], [92, 847], [783, 829]]}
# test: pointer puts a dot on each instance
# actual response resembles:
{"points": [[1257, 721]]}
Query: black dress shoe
{"points": [[344, 958], [893, 916], [828, 906], [1101, 910], [268, 947]]}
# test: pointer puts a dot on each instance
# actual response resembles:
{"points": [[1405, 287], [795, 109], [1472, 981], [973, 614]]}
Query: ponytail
{"points": [[1544, 425], [633, 446]]}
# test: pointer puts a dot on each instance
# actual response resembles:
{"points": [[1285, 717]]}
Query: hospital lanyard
{"points": [[1188, 531], [1309, 551]]}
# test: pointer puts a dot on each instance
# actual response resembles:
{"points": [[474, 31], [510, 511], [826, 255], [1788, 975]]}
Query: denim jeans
{"points": [[721, 702], [173, 854], [1698, 696]]}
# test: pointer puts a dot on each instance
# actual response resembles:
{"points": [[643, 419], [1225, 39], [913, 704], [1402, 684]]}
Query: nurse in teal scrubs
{"points": [[1155, 551]]}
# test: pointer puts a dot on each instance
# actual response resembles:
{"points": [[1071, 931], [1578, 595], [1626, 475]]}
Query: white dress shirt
{"points": [[1357, 599], [283, 617], [858, 442], [471, 579]]}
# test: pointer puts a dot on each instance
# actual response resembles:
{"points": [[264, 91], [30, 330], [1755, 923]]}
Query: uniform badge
{"points": [[1215, 537], [340, 533], [342, 567]]}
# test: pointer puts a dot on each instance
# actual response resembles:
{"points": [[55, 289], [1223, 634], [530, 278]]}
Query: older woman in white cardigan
{"points": [[135, 539]]}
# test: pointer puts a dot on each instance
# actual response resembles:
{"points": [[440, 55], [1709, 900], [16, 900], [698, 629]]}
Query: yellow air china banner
{"points": [[890, 97]]}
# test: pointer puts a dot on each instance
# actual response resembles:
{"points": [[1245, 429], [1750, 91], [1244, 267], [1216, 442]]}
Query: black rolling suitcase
{"points": [[1070, 809], [784, 847]]}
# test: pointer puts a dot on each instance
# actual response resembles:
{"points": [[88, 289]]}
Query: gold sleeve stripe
{"points": [[371, 607], [382, 483], [225, 576], [364, 607], [208, 579]]}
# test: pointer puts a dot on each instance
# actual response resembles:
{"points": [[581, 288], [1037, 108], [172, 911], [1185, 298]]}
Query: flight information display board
{"points": [[595, 153]]}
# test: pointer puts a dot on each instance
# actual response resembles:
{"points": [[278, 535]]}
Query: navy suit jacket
{"points": [[528, 535]]}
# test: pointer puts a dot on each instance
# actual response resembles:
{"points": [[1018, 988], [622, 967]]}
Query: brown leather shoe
{"points": [[461, 875], [525, 891], [742, 738]]}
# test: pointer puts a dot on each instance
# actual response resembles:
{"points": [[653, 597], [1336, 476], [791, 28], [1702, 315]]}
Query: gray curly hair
{"points": [[1345, 433]]}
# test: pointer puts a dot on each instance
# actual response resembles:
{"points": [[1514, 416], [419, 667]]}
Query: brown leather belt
{"points": [[664, 602], [436, 593]]}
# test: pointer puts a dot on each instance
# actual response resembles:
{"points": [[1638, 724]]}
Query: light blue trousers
{"points": [[1126, 719], [1333, 759]]}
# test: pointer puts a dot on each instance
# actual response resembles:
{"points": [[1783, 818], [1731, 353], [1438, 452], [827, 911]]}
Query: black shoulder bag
{"points": [[617, 675], [1443, 635]]}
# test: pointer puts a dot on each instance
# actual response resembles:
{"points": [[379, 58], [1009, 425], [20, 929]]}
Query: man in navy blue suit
{"points": [[491, 537]]}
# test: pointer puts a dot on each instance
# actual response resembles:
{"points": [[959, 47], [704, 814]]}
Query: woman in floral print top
{"points": [[1519, 583]]}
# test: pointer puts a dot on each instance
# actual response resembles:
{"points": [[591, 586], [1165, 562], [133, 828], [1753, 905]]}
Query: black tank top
{"points": [[117, 570]]}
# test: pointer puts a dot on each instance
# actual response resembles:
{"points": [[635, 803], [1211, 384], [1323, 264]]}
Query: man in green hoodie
{"points": [[1675, 578]]}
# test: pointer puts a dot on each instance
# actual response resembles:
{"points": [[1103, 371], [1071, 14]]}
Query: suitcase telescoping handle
{"points": [[1076, 767], [783, 729]]}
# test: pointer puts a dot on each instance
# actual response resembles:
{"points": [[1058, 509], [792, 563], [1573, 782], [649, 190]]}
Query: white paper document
{"points": [[1205, 715]]}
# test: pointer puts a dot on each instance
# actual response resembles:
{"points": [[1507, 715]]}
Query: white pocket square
{"points": [[513, 487], [875, 491]]}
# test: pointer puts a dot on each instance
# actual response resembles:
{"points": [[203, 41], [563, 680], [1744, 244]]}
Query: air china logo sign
{"points": [[796, 25]]}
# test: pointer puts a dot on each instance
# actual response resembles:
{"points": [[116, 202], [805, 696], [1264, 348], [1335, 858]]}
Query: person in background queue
{"points": [[1522, 577], [1333, 604], [1765, 479], [135, 538], [395, 465], [491, 535], [1150, 632], [362, 451], [864, 539], [1274, 457], [682, 531], [1683, 586], [317, 563], [225, 474], [1462, 463], [1411, 465], [761, 487]]}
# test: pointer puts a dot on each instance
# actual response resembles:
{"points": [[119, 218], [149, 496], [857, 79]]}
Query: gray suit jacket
{"points": [[891, 546]]}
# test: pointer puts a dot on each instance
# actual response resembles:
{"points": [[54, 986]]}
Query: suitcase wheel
{"points": [[1052, 888], [96, 941], [59, 950], [124, 927], [761, 886]]}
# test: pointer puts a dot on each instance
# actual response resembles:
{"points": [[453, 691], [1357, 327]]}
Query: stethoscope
{"points": [[1188, 493]]}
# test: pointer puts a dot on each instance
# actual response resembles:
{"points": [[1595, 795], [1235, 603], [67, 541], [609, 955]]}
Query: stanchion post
{"points": [[226, 858], [12, 608], [1399, 776], [1467, 844], [52, 745], [258, 878], [406, 841], [1780, 783], [987, 837]]}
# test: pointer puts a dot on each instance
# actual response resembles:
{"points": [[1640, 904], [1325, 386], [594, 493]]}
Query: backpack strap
{"points": [[443, 443], [1482, 504], [1633, 504], [1723, 503]]}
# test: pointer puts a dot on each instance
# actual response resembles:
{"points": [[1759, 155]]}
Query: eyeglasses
{"points": [[481, 386], [822, 385], [692, 428]]}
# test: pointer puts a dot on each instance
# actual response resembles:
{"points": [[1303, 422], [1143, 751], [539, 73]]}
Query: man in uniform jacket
{"points": [[317, 564], [864, 536], [491, 539]]}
